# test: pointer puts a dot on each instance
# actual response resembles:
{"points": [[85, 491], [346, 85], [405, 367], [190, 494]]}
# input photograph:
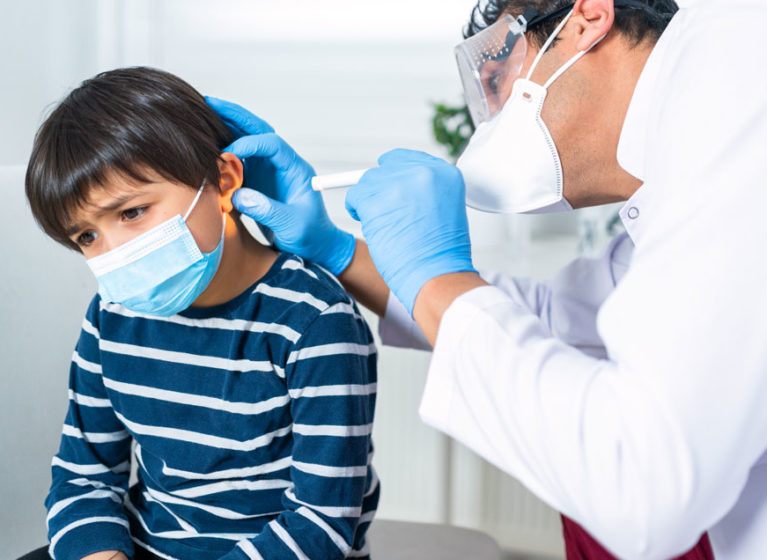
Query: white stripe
{"points": [[152, 550], [96, 484], [183, 523], [288, 540], [197, 400], [94, 437], [244, 472], [82, 363], [210, 323], [339, 541], [181, 534], [364, 551], [90, 469], [79, 523], [203, 439], [163, 498], [330, 276], [250, 550], [374, 482], [343, 307], [184, 358], [89, 328], [186, 528], [330, 430], [367, 517], [229, 485], [331, 472], [293, 264], [92, 495], [333, 391], [83, 400], [291, 295], [329, 511], [331, 350]]}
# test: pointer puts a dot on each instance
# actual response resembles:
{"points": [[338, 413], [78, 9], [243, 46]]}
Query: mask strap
{"points": [[569, 63], [547, 44], [196, 198]]}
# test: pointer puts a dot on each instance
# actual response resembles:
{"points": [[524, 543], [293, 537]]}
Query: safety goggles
{"points": [[490, 61]]}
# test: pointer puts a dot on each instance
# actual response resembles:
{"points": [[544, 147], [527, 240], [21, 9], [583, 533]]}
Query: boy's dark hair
{"points": [[647, 19], [130, 121]]}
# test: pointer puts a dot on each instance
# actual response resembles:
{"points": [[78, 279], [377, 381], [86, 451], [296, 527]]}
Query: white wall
{"points": [[343, 81]]}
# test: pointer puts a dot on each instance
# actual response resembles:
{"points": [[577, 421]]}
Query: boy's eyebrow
{"points": [[113, 205]]}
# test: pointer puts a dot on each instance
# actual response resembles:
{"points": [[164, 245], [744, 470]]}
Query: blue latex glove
{"points": [[279, 194], [413, 214]]}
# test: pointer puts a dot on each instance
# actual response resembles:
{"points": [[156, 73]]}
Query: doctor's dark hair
{"points": [[136, 122], [640, 21]]}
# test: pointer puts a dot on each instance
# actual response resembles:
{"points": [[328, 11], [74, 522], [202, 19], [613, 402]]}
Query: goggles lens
{"points": [[488, 64]]}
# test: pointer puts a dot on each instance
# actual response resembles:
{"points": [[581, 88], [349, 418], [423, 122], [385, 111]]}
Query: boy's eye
{"points": [[133, 213], [86, 238]]}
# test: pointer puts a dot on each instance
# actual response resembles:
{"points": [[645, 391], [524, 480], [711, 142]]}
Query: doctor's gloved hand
{"points": [[413, 214], [278, 194]]}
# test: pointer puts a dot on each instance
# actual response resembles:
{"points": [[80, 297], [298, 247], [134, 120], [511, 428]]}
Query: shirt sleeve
{"points": [[331, 378], [567, 304], [90, 472]]}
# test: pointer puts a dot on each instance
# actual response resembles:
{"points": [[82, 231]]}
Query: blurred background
{"points": [[343, 81]]}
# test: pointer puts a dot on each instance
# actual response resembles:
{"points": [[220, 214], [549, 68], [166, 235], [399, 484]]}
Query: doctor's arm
{"points": [[285, 203], [646, 449]]}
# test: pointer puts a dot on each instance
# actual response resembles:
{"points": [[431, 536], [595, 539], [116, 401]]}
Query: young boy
{"points": [[244, 379]]}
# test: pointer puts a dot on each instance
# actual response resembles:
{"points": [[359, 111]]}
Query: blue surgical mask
{"points": [[161, 272]]}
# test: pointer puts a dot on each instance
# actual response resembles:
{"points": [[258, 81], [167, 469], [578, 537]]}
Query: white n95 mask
{"points": [[511, 164], [161, 272]]}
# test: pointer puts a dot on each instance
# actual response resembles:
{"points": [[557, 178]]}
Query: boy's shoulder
{"points": [[300, 283]]}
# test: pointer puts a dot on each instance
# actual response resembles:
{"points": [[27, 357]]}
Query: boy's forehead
{"points": [[112, 190]]}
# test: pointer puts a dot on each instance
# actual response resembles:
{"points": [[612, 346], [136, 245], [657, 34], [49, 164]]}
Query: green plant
{"points": [[452, 127]]}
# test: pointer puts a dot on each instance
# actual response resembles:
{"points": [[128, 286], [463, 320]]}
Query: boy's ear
{"points": [[231, 176]]}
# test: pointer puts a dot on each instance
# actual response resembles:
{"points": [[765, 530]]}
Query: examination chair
{"points": [[398, 540]]}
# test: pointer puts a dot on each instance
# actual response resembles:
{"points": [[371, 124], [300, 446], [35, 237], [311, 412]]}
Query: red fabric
{"points": [[579, 545]]}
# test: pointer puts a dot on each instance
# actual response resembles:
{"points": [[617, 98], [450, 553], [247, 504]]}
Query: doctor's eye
{"points": [[86, 238], [492, 83], [133, 213]]}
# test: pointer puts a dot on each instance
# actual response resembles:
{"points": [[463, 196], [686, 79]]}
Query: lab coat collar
{"points": [[635, 136], [633, 141]]}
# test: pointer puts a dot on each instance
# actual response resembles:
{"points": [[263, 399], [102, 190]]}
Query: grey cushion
{"points": [[398, 540]]}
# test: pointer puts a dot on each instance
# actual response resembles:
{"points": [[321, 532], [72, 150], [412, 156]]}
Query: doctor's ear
{"points": [[230, 179], [593, 19]]}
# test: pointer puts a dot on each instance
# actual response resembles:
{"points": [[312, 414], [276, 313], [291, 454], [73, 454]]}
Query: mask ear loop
{"points": [[569, 63], [547, 44], [196, 198]]}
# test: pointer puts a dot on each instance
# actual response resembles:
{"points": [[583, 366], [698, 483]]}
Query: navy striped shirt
{"points": [[250, 423]]}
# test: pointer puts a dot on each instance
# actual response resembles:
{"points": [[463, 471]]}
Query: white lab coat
{"points": [[664, 435]]}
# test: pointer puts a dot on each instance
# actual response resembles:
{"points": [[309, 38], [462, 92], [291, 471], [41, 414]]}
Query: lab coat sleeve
{"points": [[567, 304]]}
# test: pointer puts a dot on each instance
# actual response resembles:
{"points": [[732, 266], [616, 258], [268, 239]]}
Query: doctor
{"points": [[634, 400]]}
